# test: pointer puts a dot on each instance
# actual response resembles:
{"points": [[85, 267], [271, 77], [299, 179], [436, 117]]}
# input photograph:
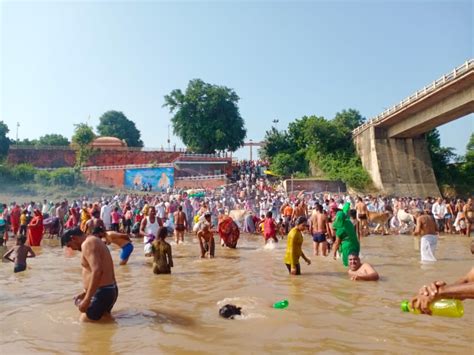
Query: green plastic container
{"points": [[444, 308], [281, 304]]}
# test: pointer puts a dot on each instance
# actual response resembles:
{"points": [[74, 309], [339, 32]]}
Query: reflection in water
{"points": [[179, 312]]}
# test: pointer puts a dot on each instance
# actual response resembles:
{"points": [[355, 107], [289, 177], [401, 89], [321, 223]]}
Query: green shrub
{"points": [[64, 176], [43, 177], [23, 173], [5, 173]]}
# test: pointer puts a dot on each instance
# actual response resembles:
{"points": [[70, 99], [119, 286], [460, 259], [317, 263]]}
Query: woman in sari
{"points": [[35, 229], [85, 216], [228, 231], [73, 219]]}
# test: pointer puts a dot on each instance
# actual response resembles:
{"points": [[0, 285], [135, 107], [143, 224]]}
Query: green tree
{"points": [[27, 142], [206, 117], [348, 119], [275, 142], [440, 157], [4, 140], [285, 164], [81, 139], [53, 140], [116, 124]]}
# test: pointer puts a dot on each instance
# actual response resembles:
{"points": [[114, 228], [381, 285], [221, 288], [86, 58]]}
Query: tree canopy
{"points": [[206, 117], [4, 140], [116, 124], [53, 139], [313, 141], [82, 138]]}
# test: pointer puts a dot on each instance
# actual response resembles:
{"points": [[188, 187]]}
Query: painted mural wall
{"points": [[159, 178]]}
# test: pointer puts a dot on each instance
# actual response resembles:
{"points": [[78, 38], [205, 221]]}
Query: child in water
{"points": [[20, 252], [270, 228], [163, 260]]}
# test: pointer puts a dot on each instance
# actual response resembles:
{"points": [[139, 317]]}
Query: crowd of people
{"points": [[252, 204]]}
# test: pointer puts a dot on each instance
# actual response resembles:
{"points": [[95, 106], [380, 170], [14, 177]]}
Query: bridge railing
{"points": [[445, 79]]}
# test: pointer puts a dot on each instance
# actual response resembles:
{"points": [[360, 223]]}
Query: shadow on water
{"points": [[149, 316]]}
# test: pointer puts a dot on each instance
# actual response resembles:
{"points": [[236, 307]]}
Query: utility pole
{"points": [[169, 147], [250, 146], [17, 125]]}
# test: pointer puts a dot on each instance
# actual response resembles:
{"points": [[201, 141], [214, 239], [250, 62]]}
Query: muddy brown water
{"points": [[178, 313]]}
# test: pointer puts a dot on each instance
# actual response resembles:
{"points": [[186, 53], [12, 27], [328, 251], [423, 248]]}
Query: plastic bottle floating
{"points": [[444, 308], [281, 304]]}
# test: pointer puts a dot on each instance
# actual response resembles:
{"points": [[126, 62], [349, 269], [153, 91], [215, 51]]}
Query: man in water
{"points": [[100, 288], [206, 237], [361, 272], [120, 239], [181, 224], [20, 253], [426, 228], [318, 228], [462, 289], [362, 215], [346, 236]]}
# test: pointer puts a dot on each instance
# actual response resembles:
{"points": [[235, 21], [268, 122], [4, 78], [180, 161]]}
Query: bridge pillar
{"points": [[398, 166]]}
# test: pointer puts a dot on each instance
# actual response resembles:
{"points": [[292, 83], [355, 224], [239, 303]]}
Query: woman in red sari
{"points": [[228, 231], [15, 219], [73, 219], [35, 229]]}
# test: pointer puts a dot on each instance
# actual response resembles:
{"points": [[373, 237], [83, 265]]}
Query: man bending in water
{"points": [[361, 272], [122, 240], [20, 253], [100, 288]]}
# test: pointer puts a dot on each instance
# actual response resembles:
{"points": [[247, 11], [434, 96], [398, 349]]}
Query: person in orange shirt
{"points": [[287, 213]]}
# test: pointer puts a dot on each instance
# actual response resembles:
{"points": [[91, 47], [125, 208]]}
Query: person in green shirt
{"points": [[293, 247], [346, 236]]}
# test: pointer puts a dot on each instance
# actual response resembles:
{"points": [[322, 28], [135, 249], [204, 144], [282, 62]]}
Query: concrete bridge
{"points": [[392, 145]]}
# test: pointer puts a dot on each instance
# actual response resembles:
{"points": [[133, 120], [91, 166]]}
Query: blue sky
{"points": [[63, 62]]}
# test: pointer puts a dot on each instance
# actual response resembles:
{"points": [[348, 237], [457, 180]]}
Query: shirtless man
{"points": [[426, 228], [206, 237], [122, 240], [20, 253], [94, 222], [181, 224], [100, 288], [362, 215], [361, 272], [318, 227], [468, 210], [462, 289], [299, 210]]}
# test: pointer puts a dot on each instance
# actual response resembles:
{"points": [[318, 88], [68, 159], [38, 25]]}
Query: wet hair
{"points": [[180, 208], [68, 234], [301, 220], [353, 213], [319, 208], [163, 232], [269, 214], [229, 311], [98, 229], [353, 253], [96, 214], [21, 240]]}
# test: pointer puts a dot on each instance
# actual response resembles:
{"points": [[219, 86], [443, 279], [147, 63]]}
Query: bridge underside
{"points": [[398, 166], [444, 111]]}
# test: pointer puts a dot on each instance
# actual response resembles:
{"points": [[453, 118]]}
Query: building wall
{"points": [[57, 158], [110, 178]]}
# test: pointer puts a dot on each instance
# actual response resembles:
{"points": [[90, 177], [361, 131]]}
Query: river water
{"points": [[178, 313]]}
